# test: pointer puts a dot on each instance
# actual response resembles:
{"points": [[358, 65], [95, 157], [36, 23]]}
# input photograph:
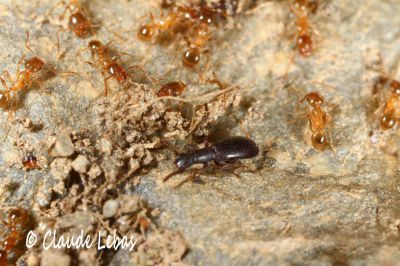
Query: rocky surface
{"points": [[291, 205]]}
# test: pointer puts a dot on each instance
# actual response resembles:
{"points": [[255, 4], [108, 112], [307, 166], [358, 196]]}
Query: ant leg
{"points": [[206, 65], [58, 40], [3, 82], [215, 80], [105, 84], [291, 62], [27, 42], [68, 74], [330, 134], [7, 76], [65, 10], [18, 70], [324, 84], [91, 63], [150, 78], [7, 129]]}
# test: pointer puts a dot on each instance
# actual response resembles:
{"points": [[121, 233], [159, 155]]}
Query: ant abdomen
{"points": [[305, 45], [145, 33], [191, 57], [319, 140], [387, 121]]}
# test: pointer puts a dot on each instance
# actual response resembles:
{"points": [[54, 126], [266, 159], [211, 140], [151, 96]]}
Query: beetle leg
{"points": [[193, 178]]}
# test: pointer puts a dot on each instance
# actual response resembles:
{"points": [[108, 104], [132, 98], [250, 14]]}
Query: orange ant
{"points": [[18, 223], [304, 41], [391, 111], [318, 120], [78, 21], [174, 88], [176, 19], [152, 30], [23, 78], [109, 65], [191, 57]]}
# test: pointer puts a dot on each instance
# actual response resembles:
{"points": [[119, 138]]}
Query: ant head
{"points": [[17, 215], [207, 15], [182, 84], [191, 57], [314, 99], [299, 7], [145, 32], [395, 86], [319, 141], [34, 64], [182, 162], [95, 44], [4, 100], [79, 24], [188, 12]]}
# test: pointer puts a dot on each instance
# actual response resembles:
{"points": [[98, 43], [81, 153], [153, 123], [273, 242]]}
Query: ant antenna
{"points": [[27, 42]]}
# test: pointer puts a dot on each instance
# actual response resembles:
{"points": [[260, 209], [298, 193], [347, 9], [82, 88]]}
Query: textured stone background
{"points": [[301, 206]]}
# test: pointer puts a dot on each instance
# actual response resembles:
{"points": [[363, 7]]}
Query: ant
{"points": [[318, 120], [391, 110], [224, 152], [174, 88], [109, 65], [179, 19], [23, 78], [78, 22], [30, 162], [304, 41], [18, 222], [152, 30], [191, 57]]}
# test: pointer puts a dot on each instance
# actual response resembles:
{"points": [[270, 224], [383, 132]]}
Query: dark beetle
{"points": [[226, 151]]}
